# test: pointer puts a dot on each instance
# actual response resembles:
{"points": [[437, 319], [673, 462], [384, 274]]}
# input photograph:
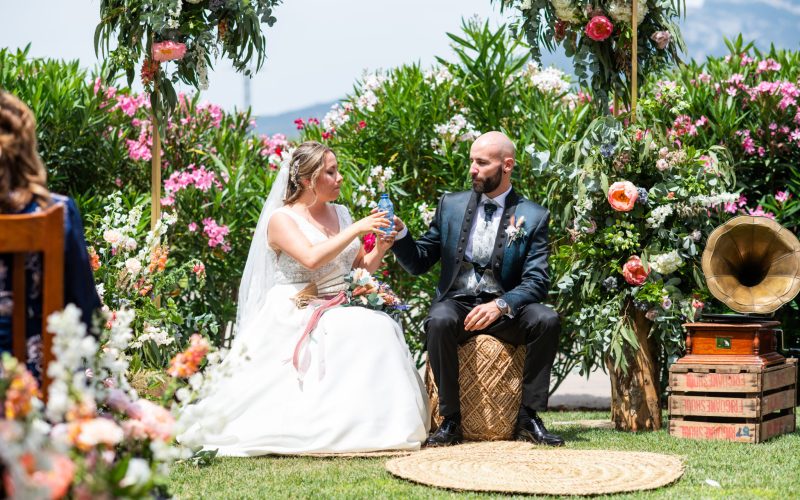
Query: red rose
{"points": [[634, 272], [599, 28], [369, 242]]}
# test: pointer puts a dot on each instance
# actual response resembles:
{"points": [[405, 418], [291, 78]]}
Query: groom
{"points": [[493, 246]]}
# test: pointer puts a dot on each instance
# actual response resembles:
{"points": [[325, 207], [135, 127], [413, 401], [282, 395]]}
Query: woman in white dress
{"points": [[354, 388]]}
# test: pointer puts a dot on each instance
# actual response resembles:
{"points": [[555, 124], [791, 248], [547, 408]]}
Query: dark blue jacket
{"points": [[522, 264]]}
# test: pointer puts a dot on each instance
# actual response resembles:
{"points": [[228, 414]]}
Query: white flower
{"points": [[621, 10], [138, 473], [426, 213], [711, 201], [457, 129], [659, 215], [550, 80], [565, 10], [666, 263], [112, 236], [133, 266], [438, 75], [662, 164], [526, 5], [130, 244], [336, 117]]}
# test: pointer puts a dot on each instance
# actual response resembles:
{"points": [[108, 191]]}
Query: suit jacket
{"points": [[520, 267]]}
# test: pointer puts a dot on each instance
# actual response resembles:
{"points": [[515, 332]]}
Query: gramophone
{"points": [[752, 265]]}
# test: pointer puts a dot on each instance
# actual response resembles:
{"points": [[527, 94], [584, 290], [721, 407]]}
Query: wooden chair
{"points": [[38, 232]]}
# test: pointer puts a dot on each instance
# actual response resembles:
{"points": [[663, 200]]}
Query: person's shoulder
{"points": [[67, 202], [459, 196]]}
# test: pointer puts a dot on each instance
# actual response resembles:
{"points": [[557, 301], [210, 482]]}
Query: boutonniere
{"points": [[515, 231]]}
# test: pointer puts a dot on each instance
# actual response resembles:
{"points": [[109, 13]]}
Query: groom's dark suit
{"points": [[520, 269]]}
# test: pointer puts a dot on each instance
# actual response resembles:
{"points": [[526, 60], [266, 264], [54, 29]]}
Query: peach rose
{"points": [[622, 195], [168, 51], [599, 28], [158, 421], [98, 431], [634, 272]]}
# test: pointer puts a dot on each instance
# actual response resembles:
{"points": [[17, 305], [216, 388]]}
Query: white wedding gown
{"points": [[361, 392]]}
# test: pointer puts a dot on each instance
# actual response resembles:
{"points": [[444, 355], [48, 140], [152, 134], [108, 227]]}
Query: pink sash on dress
{"points": [[301, 360]]}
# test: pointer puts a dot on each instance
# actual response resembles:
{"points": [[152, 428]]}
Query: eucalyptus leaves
{"points": [[149, 34], [597, 35]]}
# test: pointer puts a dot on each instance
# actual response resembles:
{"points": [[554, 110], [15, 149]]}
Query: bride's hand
{"points": [[372, 223]]}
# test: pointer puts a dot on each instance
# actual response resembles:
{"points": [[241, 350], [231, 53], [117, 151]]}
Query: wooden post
{"points": [[635, 393], [634, 58], [155, 174]]}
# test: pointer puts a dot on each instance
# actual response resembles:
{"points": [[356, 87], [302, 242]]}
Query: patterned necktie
{"points": [[484, 239], [489, 209]]}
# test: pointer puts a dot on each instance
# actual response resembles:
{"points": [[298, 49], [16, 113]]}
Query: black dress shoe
{"points": [[531, 428], [449, 433]]}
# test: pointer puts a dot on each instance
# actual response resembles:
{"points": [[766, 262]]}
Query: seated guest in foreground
{"points": [[493, 246], [23, 191]]}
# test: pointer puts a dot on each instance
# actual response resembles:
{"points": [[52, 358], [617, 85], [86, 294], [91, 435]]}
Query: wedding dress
{"points": [[361, 391]]}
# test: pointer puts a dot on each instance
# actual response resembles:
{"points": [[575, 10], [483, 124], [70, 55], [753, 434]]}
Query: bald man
{"points": [[491, 283]]}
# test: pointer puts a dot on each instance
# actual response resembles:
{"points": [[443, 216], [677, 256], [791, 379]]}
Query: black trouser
{"points": [[534, 325]]}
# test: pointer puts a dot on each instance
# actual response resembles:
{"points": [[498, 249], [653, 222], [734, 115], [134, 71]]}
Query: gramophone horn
{"points": [[752, 264]]}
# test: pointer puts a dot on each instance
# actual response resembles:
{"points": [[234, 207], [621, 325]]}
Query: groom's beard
{"points": [[487, 185]]}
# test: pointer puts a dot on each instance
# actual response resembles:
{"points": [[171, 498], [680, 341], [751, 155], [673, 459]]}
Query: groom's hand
{"points": [[482, 316], [398, 224]]}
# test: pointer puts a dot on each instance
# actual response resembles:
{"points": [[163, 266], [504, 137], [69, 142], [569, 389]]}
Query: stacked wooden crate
{"points": [[745, 403]]}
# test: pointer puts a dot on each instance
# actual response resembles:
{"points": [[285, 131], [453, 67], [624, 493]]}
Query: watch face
{"points": [[501, 303]]}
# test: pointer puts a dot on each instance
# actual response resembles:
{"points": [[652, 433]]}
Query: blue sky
{"points": [[319, 47]]}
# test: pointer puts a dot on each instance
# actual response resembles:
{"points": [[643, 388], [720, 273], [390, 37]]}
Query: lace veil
{"points": [[259, 271]]}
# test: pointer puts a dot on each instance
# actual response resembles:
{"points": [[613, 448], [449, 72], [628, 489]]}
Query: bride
{"points": [[356, 388]]}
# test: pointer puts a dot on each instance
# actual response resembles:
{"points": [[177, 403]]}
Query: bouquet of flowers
{"points": [[365, 291], [597, 35]]}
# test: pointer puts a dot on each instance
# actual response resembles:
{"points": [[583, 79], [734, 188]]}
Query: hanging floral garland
{"points": [[149, 34], [597, 35]]}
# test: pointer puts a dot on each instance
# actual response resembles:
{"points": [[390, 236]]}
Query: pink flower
{"points": [[768, 65], [782, 196], [158, 422], [313, 121], [215, 233], [634, 272], [759, 212], [698, 304], [192, 227], [134, 429], [622, 195], [199, 268], [299, 123], [362, 124], [98, 431], [168, 51], [599, 28], [369, 242], [661, 39]]}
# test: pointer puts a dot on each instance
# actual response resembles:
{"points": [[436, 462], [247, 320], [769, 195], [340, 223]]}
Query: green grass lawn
{"points": [[766, 470]]}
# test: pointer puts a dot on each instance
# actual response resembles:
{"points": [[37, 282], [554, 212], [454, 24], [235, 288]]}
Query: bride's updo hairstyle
{"points": [[306, 163], [22, 174]]}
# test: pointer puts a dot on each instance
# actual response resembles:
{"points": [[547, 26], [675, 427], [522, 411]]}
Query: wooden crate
{"points": [[743, 403]]}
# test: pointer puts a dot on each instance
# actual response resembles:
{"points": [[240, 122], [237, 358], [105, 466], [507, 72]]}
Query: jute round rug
{"points": [[517, 467]]}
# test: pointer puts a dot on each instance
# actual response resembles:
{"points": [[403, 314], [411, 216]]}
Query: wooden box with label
{"points": [[746, 403]]}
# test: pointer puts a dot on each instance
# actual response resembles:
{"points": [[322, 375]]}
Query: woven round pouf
{"points": [[490, 383], [518, 467]]}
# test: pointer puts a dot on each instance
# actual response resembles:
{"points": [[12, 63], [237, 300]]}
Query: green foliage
{"points": [[420, 124], [78, 140], [679, 199], [603, 63], [204, 28]]}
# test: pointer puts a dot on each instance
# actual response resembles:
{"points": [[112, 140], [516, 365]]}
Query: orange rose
{"points": [[622, 195], [634, 272]]}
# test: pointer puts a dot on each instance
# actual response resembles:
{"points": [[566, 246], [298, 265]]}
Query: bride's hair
{"points": [[306, 163], [22, 174]]}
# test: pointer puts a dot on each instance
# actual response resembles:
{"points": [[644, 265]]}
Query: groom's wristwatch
{"points": [[503, 306]]}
